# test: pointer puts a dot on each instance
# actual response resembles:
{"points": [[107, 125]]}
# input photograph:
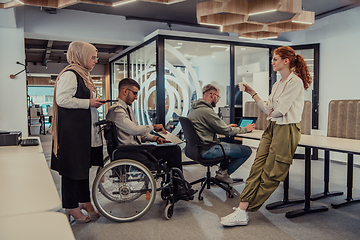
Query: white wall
{"points": [[338, 36], [7, 18], [13, 110]]}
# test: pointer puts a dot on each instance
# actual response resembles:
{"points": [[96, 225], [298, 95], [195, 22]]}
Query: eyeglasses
{"points": [[96, 59], [217, 96], [135, 93]]}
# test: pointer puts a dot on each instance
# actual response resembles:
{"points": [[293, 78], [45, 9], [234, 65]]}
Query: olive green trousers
{"points": [[272, 163]]}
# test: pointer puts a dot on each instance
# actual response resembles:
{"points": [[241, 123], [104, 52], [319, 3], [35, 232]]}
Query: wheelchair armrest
{"points": [[143, 149], [102, 122]]}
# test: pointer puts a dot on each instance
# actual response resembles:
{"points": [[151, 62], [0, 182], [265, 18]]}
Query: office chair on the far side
{"points": [[193, 149]]}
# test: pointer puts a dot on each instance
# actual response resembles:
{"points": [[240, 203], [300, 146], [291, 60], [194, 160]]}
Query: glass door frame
{"points": [[315, 92]]}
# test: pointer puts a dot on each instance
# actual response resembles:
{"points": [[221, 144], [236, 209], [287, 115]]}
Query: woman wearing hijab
{"points": [[77, 142]]}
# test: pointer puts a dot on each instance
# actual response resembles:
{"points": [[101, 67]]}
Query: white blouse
{"points": [[65, 92], [287, 98]]}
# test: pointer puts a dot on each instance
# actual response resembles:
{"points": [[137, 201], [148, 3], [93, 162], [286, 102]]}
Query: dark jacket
{"points": [[74, 136]]}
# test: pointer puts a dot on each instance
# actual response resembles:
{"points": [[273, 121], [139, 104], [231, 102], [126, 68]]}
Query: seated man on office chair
{"points": [[208, 124], [129, 132]]}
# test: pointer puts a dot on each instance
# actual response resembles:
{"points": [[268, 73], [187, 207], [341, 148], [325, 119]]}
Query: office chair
{"points": [[193, 151]]}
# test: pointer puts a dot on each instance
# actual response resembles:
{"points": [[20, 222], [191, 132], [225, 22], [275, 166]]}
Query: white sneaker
{"points": [[227, 216], [223, 176], [237, 218]]}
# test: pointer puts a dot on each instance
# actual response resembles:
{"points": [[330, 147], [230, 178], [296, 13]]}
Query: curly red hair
{"points": [[297, 62]]}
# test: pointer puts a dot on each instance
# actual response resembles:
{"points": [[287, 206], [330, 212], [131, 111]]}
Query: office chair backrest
{"points": [[192, 149]]}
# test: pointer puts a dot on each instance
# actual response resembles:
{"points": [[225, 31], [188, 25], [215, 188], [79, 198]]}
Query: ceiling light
{"points": [[177, 47], [267, 37], [173, 1], [227, 48], [247, 38], [302, 22], [211, 24], [233, 16], [115, 4], [190, 56], [269, 11]]}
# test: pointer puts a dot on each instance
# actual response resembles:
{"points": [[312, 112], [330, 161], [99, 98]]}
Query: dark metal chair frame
{"points": [[193, 151], [167, 175]]}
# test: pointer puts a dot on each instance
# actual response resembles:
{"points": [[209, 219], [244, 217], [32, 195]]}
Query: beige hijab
{"points": [[78, 55]]}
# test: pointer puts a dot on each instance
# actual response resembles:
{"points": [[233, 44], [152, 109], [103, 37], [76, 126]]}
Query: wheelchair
{"points": [[125, 188]]}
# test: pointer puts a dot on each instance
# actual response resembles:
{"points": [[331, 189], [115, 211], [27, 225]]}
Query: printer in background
{"points": [[10, 138]]}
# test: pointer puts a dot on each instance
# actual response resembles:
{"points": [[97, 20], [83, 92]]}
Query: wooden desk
{"points": [[26, 185], [36, 226], [20, 149], [348, 146]]}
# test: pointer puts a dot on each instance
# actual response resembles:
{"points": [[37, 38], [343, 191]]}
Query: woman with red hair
{"points": [[281, 137]]}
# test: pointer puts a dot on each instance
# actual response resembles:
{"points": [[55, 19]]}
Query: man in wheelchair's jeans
{"points": [[129, 132]]}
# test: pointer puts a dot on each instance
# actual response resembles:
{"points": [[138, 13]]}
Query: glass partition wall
{"points": [[189, 66], [172, 70], [119, 71], [251, 67], [142, 68]]}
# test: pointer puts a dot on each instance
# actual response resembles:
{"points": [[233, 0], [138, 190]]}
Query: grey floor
{"points": [[200, 219]]}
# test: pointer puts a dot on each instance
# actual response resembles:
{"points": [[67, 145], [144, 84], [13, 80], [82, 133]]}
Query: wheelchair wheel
{"points": [[169, 211], [102, 180], [124, 190]]}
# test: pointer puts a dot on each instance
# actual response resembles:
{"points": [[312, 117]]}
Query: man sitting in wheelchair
{"points": [[129, 132]]}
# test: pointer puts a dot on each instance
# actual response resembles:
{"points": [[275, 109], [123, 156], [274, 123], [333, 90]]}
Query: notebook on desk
{"points": [[244, 121]]}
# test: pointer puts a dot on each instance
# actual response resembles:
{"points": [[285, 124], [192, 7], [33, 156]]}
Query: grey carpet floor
{"points": [[200, 219]]}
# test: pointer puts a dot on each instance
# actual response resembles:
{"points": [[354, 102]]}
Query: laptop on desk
{"points": [[244, 121]]}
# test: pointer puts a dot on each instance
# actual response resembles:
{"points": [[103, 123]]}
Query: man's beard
{"points": [[213, 104], [128, 100]]}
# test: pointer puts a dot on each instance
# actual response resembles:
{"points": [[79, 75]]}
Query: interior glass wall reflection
{"points": [[143, 70], [252, 68], [119, 68], [188, 67]]}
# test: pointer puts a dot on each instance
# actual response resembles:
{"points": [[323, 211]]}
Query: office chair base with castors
{"points": [[208, 180], [193, 151]]}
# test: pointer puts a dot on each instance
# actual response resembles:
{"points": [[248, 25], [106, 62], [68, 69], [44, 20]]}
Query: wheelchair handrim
{"points": [[117, 163]]}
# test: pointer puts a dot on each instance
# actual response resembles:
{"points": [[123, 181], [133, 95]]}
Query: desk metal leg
{"points": [[285, 202], [326, 192], [350, 179], [307, 209]]}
